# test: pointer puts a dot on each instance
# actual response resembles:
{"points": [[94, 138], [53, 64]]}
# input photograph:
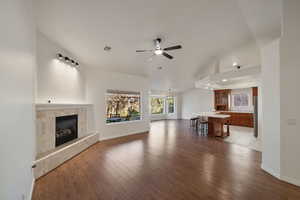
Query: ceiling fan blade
{"points": [[167, 55], [138, 51], [173, 48]]}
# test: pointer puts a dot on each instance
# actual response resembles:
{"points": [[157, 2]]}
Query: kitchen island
{"points": [[216, 124]]}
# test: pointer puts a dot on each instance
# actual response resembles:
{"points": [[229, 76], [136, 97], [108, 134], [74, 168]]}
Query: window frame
{"points": [[239, 94], [123, 92], [167, 105], [164, 106]]}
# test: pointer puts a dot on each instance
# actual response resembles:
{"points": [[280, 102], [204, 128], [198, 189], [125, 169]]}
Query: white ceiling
{"points": [[205, 28], [263, 17]]}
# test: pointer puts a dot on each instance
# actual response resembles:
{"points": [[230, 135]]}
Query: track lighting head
{"points": [[68, 60], [60, 56]]}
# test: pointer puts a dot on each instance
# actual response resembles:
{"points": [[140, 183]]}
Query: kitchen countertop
{"points": [[232, 111], [214, 115]]}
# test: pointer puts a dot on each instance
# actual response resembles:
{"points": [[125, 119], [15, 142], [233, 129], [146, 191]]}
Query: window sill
{"points": [[124, 122]]}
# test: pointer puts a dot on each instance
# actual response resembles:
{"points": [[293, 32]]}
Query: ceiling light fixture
{"points": [[234, 64], [224, 80], [67, 60], [107, 48], [60, 56], [158, 52]]}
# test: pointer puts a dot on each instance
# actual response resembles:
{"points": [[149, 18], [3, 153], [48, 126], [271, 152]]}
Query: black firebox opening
{"points": [[66, 129]]}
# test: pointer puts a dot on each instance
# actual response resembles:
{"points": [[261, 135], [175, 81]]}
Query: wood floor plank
{"points": [[170, 162]]}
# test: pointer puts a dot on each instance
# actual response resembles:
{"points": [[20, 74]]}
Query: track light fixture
{"points": [[60, 56], [67, 60]]}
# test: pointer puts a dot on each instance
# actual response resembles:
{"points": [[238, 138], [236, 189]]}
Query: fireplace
{"points": [[66, 129]]}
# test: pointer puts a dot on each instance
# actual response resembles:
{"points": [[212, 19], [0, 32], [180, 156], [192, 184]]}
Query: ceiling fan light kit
{"points": [[161, 51]]}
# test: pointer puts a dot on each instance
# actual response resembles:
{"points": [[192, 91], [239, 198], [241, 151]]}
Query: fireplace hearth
{"points": [[66, 129]]}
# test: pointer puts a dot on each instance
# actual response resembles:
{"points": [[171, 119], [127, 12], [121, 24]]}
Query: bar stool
{"points": [[203, 125], [193, 121]]}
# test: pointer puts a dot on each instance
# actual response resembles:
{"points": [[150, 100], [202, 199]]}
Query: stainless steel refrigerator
{"points": [[255, 115]]}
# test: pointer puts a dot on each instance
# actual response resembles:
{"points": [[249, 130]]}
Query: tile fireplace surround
{"points": [[48, 156]]}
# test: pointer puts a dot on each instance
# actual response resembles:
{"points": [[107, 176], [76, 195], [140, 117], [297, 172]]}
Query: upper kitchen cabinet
{"points": [[222, 100]]}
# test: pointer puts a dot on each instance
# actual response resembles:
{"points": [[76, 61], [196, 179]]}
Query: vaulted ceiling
{"points": [[205, 29]]}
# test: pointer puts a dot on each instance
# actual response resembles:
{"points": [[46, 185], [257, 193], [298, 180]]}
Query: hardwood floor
{"points": [[171, 162]]}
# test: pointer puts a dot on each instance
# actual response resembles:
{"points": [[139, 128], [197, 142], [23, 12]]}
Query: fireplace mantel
{"points": [[55, 106], [46, 115]]}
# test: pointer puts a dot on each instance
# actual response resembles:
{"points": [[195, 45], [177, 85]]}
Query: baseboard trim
{"points": [[32, 187], [271, 171], [287, 179], [125, 135], [291, 180]]}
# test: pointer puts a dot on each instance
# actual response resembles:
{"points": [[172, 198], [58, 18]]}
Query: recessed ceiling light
{"points": [[234, 64], [224, 80], [107, 48]]}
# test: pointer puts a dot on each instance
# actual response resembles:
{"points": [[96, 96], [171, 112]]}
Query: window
{"points": [[157, 105], [171, 105], [122, 106], [241, 100]]}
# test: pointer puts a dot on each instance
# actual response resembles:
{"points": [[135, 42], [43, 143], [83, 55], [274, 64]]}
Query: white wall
{"points": [[289, 92], [62, 83], [271, 110], [97, 84], [17, 74], [195, 101], [57, 81]]}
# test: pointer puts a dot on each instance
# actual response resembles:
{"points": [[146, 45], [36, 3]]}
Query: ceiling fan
{"points": [[159, 51]]}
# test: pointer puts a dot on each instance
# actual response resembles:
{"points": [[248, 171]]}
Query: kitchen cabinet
{"points": [[240, 119], [222, 100]]}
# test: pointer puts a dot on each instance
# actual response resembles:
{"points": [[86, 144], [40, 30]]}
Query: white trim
{"points": [[282, 178], [118, 136], [32, 187], [271, 171], [291, 180], [141, 95], [124, 122]]}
